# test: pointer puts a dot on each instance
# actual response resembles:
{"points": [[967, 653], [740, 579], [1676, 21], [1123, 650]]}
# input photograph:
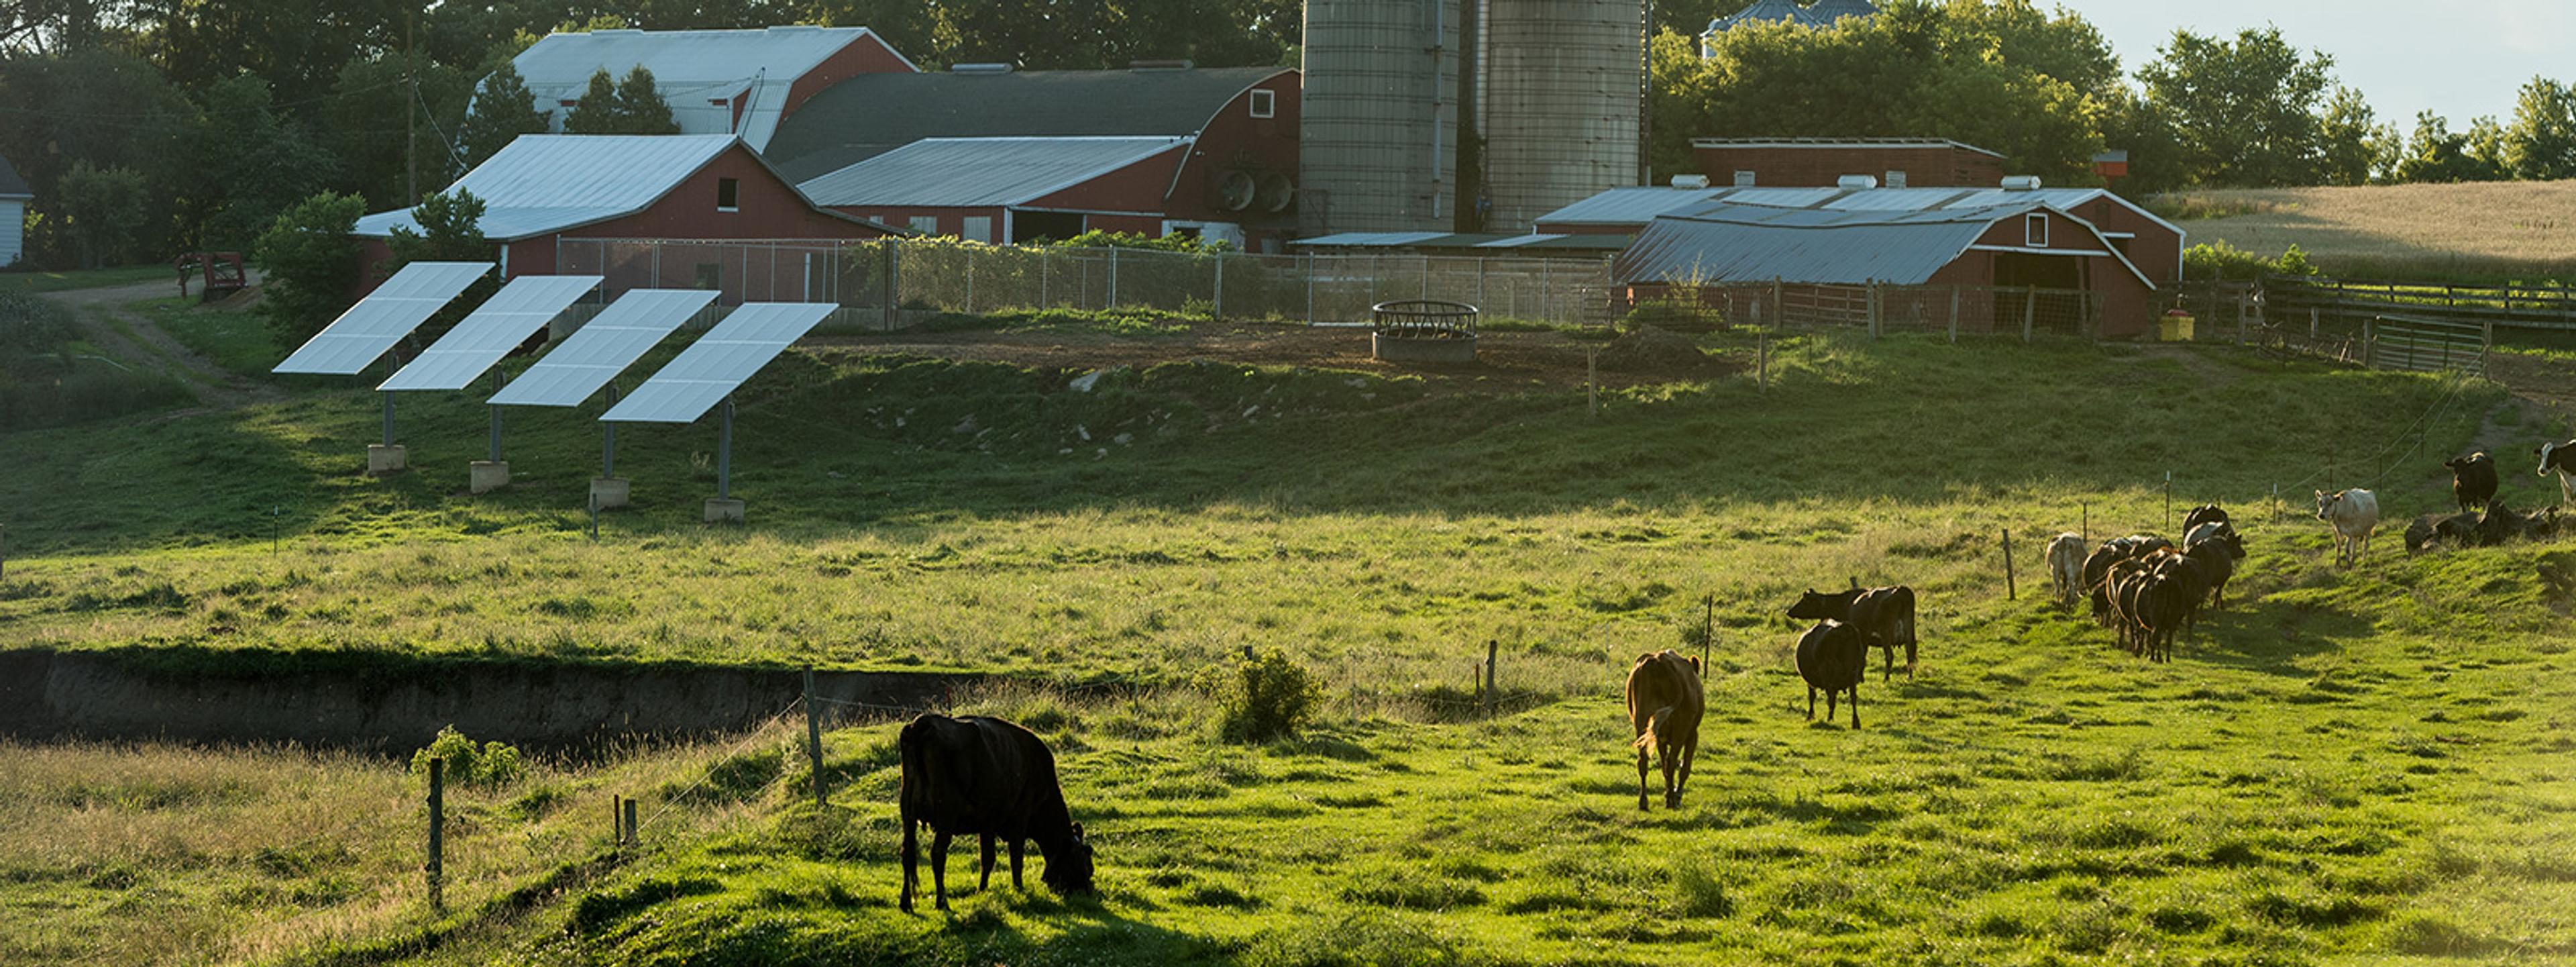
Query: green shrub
{"points": [[2219, 260], [1264, 697], [490, 764], [1672, 315]]}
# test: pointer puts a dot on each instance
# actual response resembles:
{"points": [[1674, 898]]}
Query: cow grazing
{"points": [[1665, 704], [1883, 616], [2353, 514], [1833, 656], [2560, 459], [2473, 480], [987, 778], [2217, 547], [2203, 514], [2066, 567]]}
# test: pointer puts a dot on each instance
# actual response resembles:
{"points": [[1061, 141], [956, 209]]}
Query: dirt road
{"points": [[134, 341]]}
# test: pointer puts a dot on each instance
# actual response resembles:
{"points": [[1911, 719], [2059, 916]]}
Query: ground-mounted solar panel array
{"points": [[353, 342]]}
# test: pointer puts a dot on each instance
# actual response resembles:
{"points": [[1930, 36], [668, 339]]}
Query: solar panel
{"points": [[381, 319], [604, 347], [490, 332], [719, 361]]}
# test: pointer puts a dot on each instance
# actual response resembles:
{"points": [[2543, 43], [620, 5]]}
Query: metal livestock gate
{"points": [[2428, 345]]}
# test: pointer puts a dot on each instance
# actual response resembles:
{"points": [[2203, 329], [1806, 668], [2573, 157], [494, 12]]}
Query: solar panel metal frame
{"points": [[352, 342], [603, 347], [488, 333], [705, 373]]}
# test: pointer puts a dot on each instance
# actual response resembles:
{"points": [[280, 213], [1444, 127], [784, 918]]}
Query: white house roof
{"points": [[545, 183], [692, 69], [979, 172]]}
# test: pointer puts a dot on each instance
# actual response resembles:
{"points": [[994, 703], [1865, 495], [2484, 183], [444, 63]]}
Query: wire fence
{"points": [[884, 284]]}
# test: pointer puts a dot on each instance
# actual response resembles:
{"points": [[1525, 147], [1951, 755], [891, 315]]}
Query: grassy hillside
{"points": [[2365, 764], [2492, 232]]}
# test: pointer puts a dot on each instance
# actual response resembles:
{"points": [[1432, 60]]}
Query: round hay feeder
{"points": [[1423, 331]]}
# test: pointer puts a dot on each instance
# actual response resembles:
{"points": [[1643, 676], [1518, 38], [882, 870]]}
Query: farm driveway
{"points": [[133, 340]]}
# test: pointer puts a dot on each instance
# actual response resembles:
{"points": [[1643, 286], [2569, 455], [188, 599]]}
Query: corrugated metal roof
{"points": [[974, 172], [1766, 11], [690, 68], [1828, 11], [1370, 239], [1628, 206], [1637, 206], [871, 114], [12, 186], [544, 183], [1543, 241], [1724, 242]]}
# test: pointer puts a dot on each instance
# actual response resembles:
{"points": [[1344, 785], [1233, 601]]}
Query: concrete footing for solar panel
{"points": [[485, 476], [609, 493], [385, 458], [722, 510]]}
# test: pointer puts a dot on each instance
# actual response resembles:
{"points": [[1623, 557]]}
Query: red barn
{"points": [[1232, 173], [679, 186]]}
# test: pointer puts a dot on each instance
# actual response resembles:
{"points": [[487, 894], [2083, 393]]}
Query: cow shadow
{"points": [[1079, 929], [2270, 636]]}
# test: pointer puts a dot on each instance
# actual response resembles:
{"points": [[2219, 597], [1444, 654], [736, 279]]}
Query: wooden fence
{"points": [[2512, 306]]}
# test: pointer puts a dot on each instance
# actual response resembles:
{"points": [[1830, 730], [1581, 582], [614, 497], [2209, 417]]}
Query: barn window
{"points": [[926, 224], [2035, 230], [979, 228], [1264, 104], [1895, 179], [728, 194], [1744, 179]]}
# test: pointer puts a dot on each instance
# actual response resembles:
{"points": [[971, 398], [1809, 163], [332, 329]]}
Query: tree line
{"points": [[149, 127], [2045, 89]]}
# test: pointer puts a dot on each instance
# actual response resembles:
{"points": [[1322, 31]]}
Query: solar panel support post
{"points": [[389, 418], [387, 457], [724, 453], [485, 476], [608, 440], [496, 419]]}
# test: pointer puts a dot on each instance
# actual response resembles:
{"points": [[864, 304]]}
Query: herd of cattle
{"points": [[996, 781]]}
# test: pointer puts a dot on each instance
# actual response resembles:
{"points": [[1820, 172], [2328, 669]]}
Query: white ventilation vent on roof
{"points": [[1690, 181], [1857, 181], [980, 69], [2022, 183]]}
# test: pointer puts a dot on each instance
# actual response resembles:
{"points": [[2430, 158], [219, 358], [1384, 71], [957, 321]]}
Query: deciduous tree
{"points": [[311, 263], [2245, 111]]}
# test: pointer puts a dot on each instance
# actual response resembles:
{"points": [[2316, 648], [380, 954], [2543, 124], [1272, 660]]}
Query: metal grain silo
{"points": [[1379, 116], [1561, 96]]}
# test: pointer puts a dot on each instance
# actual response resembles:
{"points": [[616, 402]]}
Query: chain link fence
{"points": [[1953, 310], [889, 284]]}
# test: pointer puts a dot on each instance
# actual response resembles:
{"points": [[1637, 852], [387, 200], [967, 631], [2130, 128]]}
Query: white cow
{"points": [[2354, 514], [2560, 458], [2066, 567]]}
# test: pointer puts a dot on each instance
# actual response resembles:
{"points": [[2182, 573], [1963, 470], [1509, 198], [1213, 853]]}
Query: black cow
{"points": [[1834, 657], [1883, 616], [2473, 480], [2203, 514], [2217, 548], [988, 778], [2097, 568]]}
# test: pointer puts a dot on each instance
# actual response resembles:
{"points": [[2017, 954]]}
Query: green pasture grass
{"points": [[2348, 763], [57, 281], [233, 339], [151, 854]]}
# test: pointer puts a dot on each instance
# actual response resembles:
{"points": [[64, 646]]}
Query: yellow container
{"points": [[2174, 328]]}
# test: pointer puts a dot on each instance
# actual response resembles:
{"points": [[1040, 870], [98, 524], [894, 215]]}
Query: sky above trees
{"points": [[2458, 60]]}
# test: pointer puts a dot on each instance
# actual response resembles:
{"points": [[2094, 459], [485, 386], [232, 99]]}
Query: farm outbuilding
{"points": [[14, 196], [2154, 245], [1011, 190], [2024, 244], [739, 82], [544, 187], [1233, 175]]}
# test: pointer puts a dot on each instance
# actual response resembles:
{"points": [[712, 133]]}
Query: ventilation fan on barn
{"points": [[1277, 192], [1236, 190]]}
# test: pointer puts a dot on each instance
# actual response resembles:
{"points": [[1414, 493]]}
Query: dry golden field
{"points": [[2485, 232]]}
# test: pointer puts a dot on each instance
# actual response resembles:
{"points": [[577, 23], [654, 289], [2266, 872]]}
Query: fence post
{"points": [[1592, 375], [2010, 592], [2312, 323], [1875, 308], [616, 820], [1307, 264], [2369, 339], [1954, 313], [1707, 628], [1113, 277], [437, 833], [891, 267], [2087, 532], [2486, 344], [1045, 301], [814, 738], [1493, 650], [2029, 310], [970, 280], [2168, 500], [1762, 359], [1217, 310]]}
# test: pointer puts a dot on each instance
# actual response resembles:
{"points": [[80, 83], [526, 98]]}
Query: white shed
{"points": [[14, 196]]}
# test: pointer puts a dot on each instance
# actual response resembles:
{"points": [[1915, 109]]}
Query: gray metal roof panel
{"points": [[603, 347], [690, 69], [11, 185], [971, 172], [488, 333], [719, 361], [545, 183], [1369, 239], [392, 311], [1766, 11], [1691, 250], [871, 114], [1629, 206]]}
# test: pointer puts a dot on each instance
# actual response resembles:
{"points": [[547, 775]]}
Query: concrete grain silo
{"points": [[1379, 126], [1560, 89]]}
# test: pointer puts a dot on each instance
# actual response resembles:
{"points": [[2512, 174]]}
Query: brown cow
{"points": [[1665, 704], [1884, 617], [989, 778], [1835, 657]]}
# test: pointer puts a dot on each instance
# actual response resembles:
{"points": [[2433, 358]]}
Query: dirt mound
{"points": [[1651, 350]]}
